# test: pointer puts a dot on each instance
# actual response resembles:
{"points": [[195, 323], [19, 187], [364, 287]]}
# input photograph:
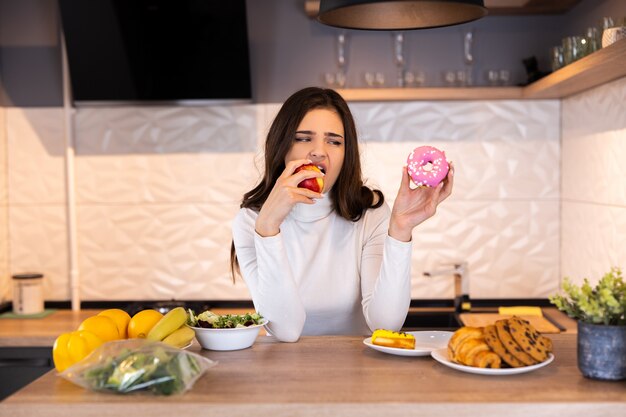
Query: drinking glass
{"points": [[504, 76], [556, 53], [379, 79], [492, 77], [449, 77], [420, 78], [574, 48], [461, 78], [594, 39]]}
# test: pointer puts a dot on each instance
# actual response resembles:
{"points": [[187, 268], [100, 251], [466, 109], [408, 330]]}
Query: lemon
{"points": [[141, 323], [121, 319], [102, 326]]}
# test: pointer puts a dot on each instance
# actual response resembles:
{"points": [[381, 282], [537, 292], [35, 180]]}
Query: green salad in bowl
{"points": [[225, 332], [210, 320]]}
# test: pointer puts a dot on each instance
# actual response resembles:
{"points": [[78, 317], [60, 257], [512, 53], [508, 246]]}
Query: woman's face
{"points": [[320, 138]]}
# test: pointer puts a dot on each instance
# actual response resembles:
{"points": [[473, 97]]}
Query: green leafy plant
{"points": [[603, 304]]}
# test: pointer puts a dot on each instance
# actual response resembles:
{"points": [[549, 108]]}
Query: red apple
{"points": [[313, 184]]}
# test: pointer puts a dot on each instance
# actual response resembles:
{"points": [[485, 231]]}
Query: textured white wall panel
{"points": [[484, 170], [594, 145], [4, 215], [35, 156], [158, 188], [141, 130], [503, 215], [181, 154], [157, 251], [451, 121], [512, 249], [182, 178], [36, 196], [594, 240], [4, 199], [38, 242], [594, 182]]}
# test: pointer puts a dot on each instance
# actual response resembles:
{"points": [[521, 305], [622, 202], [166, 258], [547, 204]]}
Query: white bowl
{"points": [[228, 339]]}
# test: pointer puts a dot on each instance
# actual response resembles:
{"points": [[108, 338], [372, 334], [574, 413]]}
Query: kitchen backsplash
{"points": [[157, 188], [4, 225], [594, 182]]}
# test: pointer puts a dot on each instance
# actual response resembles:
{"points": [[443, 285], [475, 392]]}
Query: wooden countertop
{"points": [[44, 331], [340, 376]]}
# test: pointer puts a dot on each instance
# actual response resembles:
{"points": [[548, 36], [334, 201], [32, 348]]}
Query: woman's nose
{"points": [[318, 150]]}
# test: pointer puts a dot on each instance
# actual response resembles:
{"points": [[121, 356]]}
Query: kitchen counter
{"points": [[340, 376], [43, 332]]}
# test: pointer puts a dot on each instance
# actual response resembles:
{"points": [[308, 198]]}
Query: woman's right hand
{"points": [[284, 196]]}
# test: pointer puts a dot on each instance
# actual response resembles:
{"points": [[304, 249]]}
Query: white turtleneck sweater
{"points": [[323, 274]]}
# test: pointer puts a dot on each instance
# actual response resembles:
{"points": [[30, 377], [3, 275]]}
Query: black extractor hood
{"points": [[156, 51]]}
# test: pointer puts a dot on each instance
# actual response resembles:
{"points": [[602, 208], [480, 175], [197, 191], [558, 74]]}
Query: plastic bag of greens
{"points": [[138, 365]]}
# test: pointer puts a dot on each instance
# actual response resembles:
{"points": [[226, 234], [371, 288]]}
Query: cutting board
{"points": [[483, 319]]}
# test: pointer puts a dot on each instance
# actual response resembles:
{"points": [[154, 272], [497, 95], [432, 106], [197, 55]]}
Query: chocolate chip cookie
{"points": [[504, 334], [491, 338], [528, 338]]}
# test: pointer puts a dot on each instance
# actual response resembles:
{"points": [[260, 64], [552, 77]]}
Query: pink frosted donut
{"points": [[427, 166]]}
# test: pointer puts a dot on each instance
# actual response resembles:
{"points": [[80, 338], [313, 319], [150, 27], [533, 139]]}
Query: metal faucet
{"points": [[461, 284]]}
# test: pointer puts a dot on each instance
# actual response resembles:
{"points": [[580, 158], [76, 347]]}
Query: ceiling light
{"points": [[399, 14]]}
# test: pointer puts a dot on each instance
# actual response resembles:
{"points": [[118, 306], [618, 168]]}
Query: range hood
{"points": [[156, 51]]}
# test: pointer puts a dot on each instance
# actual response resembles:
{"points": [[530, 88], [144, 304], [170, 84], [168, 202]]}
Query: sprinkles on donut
{"points": [[427, 166]]}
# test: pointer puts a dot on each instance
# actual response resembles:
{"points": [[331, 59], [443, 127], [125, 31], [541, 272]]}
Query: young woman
{"points": [[336, 262]]}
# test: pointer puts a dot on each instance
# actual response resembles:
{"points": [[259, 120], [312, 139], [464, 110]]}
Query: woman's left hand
{"points": [[414, 206]]}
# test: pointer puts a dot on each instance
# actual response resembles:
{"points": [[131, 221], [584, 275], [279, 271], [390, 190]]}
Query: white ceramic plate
{"points": [[441, 356], [425, 343]]}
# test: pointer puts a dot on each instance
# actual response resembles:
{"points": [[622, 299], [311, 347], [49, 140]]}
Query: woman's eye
{"points": [[302, 139], [335, 142]]}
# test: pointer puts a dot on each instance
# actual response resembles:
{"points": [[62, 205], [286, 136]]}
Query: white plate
{"points": [[441, 356], [425, 343]]}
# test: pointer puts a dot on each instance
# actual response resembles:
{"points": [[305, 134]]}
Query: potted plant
{"points": [[601, 320]]}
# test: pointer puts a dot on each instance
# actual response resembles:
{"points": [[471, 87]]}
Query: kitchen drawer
{"points": [[19, 366]]}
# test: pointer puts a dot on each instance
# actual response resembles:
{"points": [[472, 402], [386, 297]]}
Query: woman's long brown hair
{"points": [[350, 197]]}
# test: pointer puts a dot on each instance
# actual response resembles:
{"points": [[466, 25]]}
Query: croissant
{"points": [[460, 336], [487, 359]]}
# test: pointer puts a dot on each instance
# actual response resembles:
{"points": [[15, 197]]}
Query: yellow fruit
{"points": [[141, 323], [102, 326], [121, 319], [81, 344], [181, 337], [61, 353], [70, 348], [168, 324]]}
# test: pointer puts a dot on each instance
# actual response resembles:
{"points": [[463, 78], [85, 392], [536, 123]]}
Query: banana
{"points": [[180, 337], [168, 324]]}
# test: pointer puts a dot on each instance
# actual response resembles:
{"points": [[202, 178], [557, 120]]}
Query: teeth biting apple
{"points": [[313, 184]]}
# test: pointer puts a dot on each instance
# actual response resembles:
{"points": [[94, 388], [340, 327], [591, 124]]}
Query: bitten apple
{"points": [[313, 184]]}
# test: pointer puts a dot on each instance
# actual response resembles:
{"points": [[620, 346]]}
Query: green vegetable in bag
{"points": [[138, 365]]}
